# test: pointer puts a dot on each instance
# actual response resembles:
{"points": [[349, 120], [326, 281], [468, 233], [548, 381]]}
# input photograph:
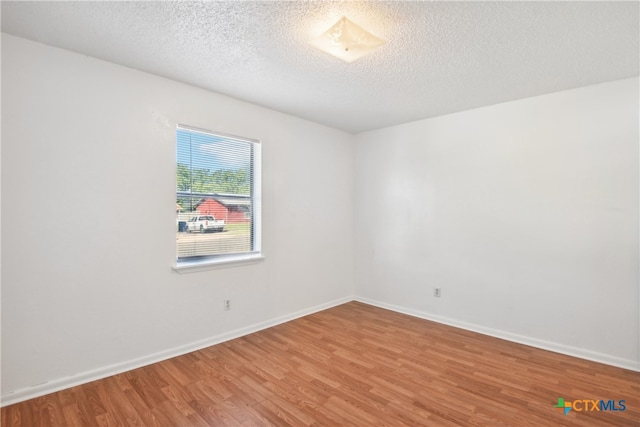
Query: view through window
{"points": [[217, 195]]}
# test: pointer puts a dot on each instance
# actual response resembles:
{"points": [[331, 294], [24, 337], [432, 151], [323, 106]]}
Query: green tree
{"points": [[231, 181], [201, 180], [184, 178]]}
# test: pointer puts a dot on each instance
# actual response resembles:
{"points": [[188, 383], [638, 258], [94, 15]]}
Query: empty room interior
{"points": [[320, 213]]}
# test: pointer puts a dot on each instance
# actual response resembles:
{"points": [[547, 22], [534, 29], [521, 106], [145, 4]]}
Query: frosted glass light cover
{"points": [[347, 41]]}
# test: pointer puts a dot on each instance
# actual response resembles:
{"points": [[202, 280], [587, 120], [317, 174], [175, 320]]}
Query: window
{"points": [[217, 197]]}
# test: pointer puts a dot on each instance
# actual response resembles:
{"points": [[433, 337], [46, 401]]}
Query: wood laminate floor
{"points": [[350, 365]]}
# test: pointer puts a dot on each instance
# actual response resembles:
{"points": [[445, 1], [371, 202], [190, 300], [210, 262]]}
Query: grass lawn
{"points": [[238, 229]]}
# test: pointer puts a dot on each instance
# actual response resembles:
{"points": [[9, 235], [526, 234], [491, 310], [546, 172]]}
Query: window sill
{"points": [[222, 262]]}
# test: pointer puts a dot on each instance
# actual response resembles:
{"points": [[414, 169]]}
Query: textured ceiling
{"points": [[440, 57]]}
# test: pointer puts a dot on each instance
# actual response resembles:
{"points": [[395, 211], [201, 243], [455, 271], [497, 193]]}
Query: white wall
{"points": [[87, 293], [524, 213]]}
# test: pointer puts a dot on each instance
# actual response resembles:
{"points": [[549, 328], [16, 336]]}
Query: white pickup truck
{"points": [[204, 223]]}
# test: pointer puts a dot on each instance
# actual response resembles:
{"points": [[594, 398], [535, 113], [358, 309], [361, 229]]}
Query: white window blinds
{"points": [[217, 195]]}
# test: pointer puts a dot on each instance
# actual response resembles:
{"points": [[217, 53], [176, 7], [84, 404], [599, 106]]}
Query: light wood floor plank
{"points": [[352, 365]]}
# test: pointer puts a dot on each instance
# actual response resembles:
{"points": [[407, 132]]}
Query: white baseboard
{"points": [[107, 371], [607, 359]]}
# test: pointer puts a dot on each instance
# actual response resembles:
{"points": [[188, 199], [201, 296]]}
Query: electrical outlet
{"points": [[227, 304], [437, 292]]}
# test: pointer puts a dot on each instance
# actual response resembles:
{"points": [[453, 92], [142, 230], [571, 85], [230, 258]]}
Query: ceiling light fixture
{"points": [[347, 41]]}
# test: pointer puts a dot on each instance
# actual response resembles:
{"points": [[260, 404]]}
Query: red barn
{"points": [[230, 209]]}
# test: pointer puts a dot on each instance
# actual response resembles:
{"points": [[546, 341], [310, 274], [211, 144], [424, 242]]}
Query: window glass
{"points": [[217, 178]]}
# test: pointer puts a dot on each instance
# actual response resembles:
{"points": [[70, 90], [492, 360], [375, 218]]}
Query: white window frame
{"points": [[231, 260]]}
